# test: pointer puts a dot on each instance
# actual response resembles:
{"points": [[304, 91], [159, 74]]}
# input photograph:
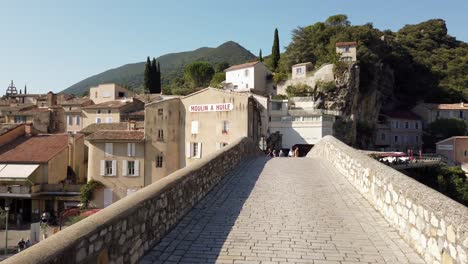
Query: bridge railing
{"points": [[122, 232], [433, 224]]}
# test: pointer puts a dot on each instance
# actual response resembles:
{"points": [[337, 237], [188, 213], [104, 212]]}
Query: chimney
{"points": [[131, 125], [28, 129]]}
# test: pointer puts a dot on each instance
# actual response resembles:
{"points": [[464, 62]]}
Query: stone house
{"points": [[117, 159], [431, 112], [399, 131], [300, 70], [107, 92], [454, 149], [248, 77], [73, 113], [347, 51], [110, 111]]}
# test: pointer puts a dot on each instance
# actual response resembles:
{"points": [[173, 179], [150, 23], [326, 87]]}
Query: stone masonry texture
{"points": [[283, 210], [123, 231], [431, 223]]}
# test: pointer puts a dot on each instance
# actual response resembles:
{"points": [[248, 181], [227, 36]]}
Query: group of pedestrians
{"points": [[22, 245], [294, 152]]}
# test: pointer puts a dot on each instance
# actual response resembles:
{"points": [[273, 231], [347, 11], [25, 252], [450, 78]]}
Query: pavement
{"points": [[283, 210]]}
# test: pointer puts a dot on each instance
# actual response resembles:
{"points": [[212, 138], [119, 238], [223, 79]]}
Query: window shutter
{"points": [[187, 149], [124, 167], [103, 167], [137, 168], [199, 150], [109, 148], [129, 149], [114, 168], [133, 149], [194, 127]]}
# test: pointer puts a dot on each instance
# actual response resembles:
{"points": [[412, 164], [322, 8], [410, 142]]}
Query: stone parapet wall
{"points": [[433, 224], [122, 232]]}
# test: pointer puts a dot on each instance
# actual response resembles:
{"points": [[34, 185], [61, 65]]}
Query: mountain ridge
{"points": [[172, 66]]}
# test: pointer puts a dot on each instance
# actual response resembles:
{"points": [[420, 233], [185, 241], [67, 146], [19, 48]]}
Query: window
{"points": [[70, 120], [298, 70], [382, 136], [297, 118], [276, 106], [465, 153], [77, 120], [121, 94], [109, 120], [131, 167], [397, 124], [95, 95], [159, 161], [109, 111], [246, 73], [98, 111], [20, 119], [438, 114], [194, 127], [160, 134], [160, 112], [461, 114], [131, 149], [108, 167], [221, 144], [406, 125], [346, 49], [225, 127], [69, 108], [416, 139], [396, 139], [416, 125], [193, 150], [98, 120], [109, 147]]}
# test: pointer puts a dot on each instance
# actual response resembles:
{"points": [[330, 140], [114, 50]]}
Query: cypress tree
{"points": [[275, 51], [154, 73], [147, 80], [158, 80], [260, 58]]}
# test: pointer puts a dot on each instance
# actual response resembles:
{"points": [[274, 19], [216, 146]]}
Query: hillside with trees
{"points": [[426, 62], [171, 67]]}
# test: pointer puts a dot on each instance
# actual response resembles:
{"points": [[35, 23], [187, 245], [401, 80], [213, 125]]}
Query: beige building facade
{"points": [[109, 112], [300, 70], [108, 92], [431, 112], [347, 51], [117, 159], [399, 131]]}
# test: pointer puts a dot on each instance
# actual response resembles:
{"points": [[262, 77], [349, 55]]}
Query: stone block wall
{"points": [[122, 232], [433, 224]]}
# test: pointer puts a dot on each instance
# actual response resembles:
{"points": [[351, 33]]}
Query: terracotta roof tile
{"points": [[350, 43], [78, 101], [40, 148], [132, 135], [5, 127], [109, 126], [240, 66]]}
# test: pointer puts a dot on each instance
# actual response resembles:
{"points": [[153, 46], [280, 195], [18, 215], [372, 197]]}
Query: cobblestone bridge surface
{"points": [[283, 210]]}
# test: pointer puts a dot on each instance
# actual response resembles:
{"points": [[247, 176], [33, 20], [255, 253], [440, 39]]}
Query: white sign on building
{"points": [[211, 107]]}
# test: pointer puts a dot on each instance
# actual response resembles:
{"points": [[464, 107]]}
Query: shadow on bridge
{"points": [[201, 234]]}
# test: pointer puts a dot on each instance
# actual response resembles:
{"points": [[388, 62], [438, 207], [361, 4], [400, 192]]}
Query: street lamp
{"points": [[7, 208]]}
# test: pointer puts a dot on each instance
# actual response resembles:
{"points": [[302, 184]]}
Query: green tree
{"points": [[217, 79], [338, 20], [220, 67], [198, 74], [260, 57], [158, 88], [442, 129], [148, 75], [275, 51]]}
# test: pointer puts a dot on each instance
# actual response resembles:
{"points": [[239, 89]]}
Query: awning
{"points": [[17, 172]]}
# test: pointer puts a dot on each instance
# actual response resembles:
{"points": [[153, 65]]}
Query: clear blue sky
{"points": [[52, 44]]}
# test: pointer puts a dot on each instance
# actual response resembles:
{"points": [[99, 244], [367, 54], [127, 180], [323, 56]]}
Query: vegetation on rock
{"points": [[87, 191]]}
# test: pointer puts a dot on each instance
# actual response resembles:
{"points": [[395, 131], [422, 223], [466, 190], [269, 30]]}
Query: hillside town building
{"points": [[454, 150], [347, 51], [110, 111], [300, 70], [249, 77], [73, 113], [117, 159], [399, 131], [108, 92], [39, 172], [431, 112]]}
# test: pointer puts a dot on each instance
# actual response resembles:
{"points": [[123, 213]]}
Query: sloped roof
{"points": [[402, 115], [111, 104], [133, 135], [350, 43], [36, 149], [77, 101], [92, 128], [5, 127], [458, 106], [240, 66]]}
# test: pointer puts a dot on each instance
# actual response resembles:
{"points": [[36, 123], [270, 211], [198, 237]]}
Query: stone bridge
{"points": [[235, 206]]}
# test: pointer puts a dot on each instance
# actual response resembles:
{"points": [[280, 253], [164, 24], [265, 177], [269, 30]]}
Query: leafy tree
{"points": [[198, 74], [220, 67], [280, 77], [148, 76], [442, 129], [260, 57], [300, 89], [338, 20], [217, 79], [275, 51]]}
